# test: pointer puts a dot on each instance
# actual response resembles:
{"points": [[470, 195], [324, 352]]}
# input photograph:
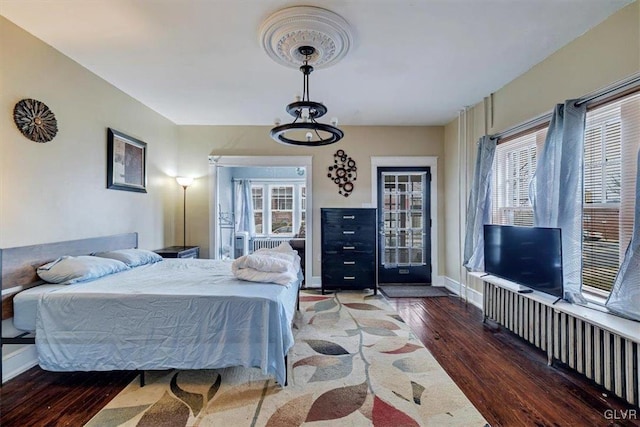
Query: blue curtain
{"points": [[244, 221], [624, 299], [557, 190], [479, 208]]}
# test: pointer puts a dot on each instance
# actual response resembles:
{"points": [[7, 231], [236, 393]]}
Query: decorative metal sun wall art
{"points": [[343, 172], [35, 120]]}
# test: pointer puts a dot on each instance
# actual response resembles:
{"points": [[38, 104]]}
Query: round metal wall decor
{"points": [[343, 172], [35, 120]]}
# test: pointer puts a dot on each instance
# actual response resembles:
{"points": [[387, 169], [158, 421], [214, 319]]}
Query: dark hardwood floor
{"points": [[507, 379], [41, 398]]}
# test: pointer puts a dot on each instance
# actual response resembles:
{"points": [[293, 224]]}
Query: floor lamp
{"points": [[185, 182]]}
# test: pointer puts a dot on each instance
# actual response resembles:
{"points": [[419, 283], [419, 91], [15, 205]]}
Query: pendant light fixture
{"points": [[304, 113], [306, 37]]}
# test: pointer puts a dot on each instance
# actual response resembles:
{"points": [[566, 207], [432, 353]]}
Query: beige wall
{"points": [[198, 142], [453, 201], [57, 191], [603, 55]]}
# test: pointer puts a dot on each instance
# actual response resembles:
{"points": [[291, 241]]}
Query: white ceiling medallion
{"points": [[284, 32]]}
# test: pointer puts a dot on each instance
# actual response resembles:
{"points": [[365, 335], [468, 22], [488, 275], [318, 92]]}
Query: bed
{"points": [[177, 313]]}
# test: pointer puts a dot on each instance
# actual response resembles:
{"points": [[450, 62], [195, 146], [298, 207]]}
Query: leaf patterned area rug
{"points": [[354, 363]]}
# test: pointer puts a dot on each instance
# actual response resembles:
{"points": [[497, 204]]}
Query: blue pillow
{"points": [[131, 257], [68, 269]]}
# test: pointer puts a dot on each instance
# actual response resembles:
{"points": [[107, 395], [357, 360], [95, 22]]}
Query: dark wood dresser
{"points": [[348, 249]]}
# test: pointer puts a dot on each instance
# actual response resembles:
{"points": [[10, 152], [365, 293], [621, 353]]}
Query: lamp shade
{"points": [[185, 181]]}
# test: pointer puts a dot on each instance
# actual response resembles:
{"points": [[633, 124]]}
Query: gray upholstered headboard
{"points": [[18, 265]]}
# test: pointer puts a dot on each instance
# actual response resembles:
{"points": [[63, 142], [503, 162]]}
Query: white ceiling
{"points": [[413, 62]]}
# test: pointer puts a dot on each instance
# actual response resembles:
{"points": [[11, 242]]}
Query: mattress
{"points": [[25, 306], [180, 313]]}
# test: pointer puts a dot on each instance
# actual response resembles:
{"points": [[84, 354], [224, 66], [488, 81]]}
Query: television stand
{"points": [[554, 303]]}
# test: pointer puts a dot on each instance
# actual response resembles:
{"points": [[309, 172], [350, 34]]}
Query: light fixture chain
{"points": [[306, 63], [305, 86]]}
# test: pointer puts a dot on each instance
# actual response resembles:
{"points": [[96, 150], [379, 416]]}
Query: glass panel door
{"points": [[404, 225]]}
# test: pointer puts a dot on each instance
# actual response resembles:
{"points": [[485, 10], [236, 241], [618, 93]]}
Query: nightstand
{"points": [[179, 252]]}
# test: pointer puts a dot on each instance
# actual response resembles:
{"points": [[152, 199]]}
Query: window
{"points": [[281, 209], [258, 203], [514, 166], [278, 208], [612, 140]]}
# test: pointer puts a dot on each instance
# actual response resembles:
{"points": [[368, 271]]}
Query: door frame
{"points": [[217, 161], [414, 161]]}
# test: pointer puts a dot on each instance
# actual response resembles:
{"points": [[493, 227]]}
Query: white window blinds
{"points": [[612, 140], [514, 166]]}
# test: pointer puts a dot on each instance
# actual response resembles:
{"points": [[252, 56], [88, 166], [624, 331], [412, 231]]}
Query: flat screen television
{"points": [[529, 256]]}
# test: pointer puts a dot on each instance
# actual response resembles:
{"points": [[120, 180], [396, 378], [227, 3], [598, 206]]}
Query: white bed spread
{"points": [[185, 314]]}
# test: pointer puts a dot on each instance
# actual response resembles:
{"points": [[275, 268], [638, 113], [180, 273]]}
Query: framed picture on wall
{"points": [[126, 162]]}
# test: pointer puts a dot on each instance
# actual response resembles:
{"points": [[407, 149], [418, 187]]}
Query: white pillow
{"points": [[131, 257], [68, 269]]}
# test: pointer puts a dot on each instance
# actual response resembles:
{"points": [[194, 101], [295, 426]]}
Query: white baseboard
{"points": [[316, 282], [474, 297], [16, 358]]}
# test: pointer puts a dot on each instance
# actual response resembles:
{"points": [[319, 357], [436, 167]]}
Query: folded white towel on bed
{"points": [[279, 265]]}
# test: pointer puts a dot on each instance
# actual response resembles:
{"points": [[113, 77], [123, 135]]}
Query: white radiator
{"points": [[607, 358], [268, 243]]}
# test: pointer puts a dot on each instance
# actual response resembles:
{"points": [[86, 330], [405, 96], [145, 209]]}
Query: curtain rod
{"points": [[608, 91], [613, 89], [524, 126]]}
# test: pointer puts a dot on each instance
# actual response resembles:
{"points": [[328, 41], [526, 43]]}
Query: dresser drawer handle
{"points": [[347, 248], [348, 232], [349, 262], [349, 277], [348, 217]]}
